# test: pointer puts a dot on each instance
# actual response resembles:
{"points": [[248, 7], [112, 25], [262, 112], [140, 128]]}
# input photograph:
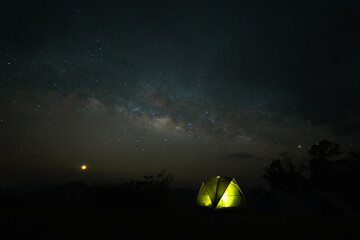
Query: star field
{"points": [[129, 89]]}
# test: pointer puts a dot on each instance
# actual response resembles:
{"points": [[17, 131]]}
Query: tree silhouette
{"points": [[160, 182], [322, 166], [328, 173], [281, 174]]}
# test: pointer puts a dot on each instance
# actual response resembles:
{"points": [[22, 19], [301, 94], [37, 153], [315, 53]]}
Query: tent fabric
{"points": [[221, 192]]}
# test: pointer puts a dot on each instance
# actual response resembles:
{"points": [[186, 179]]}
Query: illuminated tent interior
{"points": [[221, 192]]}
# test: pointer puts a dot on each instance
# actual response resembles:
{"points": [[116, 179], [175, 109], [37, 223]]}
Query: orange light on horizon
{"points": [[83, 167]]}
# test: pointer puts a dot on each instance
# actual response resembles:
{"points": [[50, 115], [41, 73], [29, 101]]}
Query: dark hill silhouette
{"points": [[27, 188], [74, 194]]}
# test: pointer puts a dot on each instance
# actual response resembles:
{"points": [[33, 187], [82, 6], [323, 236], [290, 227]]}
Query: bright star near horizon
{"points": [[225, 106]]}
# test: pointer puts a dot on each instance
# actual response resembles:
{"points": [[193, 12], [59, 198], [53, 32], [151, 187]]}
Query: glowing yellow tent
{"points": [[221, 192]]}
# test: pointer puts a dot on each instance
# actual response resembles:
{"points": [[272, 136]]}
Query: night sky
{"points": [[199, 88]]}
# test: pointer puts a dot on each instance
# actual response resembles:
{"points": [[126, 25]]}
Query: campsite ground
{"points": [[72, 219], [120, 223]]}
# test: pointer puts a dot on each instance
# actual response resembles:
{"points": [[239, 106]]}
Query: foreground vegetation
{"points": [[327, 171]]}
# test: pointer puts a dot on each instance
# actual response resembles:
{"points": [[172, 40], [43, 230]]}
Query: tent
{"points": [[221, 192]]}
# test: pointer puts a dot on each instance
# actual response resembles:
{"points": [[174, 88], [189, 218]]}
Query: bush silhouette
{"points": [[151, 192]]}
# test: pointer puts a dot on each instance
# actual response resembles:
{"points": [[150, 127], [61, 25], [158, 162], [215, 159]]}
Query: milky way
{"points": [[198, 90]]}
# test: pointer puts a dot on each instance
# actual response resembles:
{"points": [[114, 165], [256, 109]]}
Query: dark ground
{"points": [[76, 211]]}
